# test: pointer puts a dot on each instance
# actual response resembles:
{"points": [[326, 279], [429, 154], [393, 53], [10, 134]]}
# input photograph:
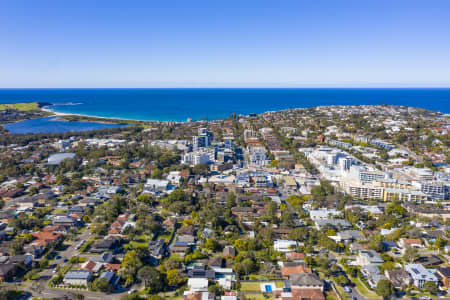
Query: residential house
{"points": [[169, 224], [368, 257], [77, 277], [21, 260], [420, 275], [44, 238], [405, 243], [93, 266], [347, 236], [284, 245], [197, 284], [179, 247], [157, 248], [429, 261], [229, 251], [372, 274], [201, 272], [287, 271], [443, 273], [108, 244], [336, 223], [323, 214], [306, 281], [112, 278], [64, 220], [7, 272], [399, 278], [295, 256]]}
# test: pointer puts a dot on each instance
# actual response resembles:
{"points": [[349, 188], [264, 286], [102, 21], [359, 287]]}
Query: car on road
{"points": [[57, 257]]}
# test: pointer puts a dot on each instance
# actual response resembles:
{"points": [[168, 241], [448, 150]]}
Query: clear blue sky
{"points": [[224, 43]]}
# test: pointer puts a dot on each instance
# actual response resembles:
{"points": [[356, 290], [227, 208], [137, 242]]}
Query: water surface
{"points": [[180, 104], [54, 125]]}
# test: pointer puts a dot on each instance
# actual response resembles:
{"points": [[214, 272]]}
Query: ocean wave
{"points": [[66, 103]]}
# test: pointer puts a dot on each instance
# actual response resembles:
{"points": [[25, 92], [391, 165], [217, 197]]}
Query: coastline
{"points": [[199, 105], [113, 119], [61, 114]]}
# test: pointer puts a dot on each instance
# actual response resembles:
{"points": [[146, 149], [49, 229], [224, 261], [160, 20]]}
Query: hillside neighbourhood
{"points": [[335, 202]]}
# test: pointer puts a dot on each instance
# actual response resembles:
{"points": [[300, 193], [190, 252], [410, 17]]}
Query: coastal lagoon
{"points": [[55, 125], [181, 104]]}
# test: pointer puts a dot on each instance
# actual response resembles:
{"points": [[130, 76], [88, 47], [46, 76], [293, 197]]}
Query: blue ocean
{"points": [[181, 104]]}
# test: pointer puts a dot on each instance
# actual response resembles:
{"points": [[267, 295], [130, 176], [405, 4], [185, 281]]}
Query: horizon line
{"points": [[235, 87]]}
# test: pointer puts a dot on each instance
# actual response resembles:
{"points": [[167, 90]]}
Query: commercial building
{"points": [[436, 190], [404, 195]]}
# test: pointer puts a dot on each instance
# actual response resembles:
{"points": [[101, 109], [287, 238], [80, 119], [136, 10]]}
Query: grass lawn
{"points": [[258, 297], [135, 245], [86, 245], [169, 295], [144, 237], [165, 236], [332, 296], [267, 277], [250, 286], [20, 106], [364, 290], [342, 293]]}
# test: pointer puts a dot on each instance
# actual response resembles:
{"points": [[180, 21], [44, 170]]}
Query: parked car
{"points": [[347, 289]]}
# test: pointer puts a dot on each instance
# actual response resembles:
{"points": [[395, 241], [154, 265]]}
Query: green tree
{"points": [[157, 173], [215, 289], [175, 277], [430, 287], [144, 198], [78, 297], [376, 243], [201, 169], [341, 279], [101, 284], [271, 212], [152, 278], [410, 254], [211, 244], [130, 265], [396, 208], [231, 200], [384, 288]]}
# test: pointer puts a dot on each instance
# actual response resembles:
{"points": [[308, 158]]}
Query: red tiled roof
{"points": [[295, 255], [47, 236], [89, 266], [287, 271]]}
